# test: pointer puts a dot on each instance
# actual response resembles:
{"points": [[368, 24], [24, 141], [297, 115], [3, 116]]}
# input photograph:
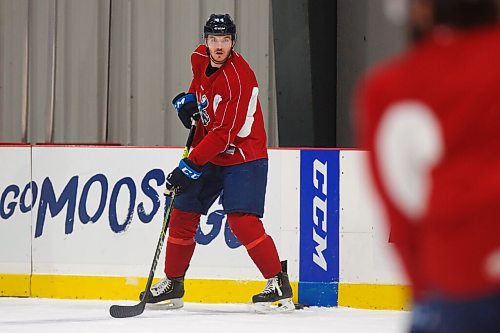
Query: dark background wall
{"points": [[305, 65], [365, 37], [322, 48]]}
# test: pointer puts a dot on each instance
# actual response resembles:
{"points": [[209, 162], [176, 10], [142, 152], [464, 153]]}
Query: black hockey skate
{"points": [[166, 293], [276, 296]]}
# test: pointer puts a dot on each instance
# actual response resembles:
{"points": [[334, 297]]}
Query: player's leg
{"points": [[179, 250], [243, 201], [260, 246], [180, 245]]}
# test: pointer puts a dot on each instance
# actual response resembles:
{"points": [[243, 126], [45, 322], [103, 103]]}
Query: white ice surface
{"points": [[76, 316]]}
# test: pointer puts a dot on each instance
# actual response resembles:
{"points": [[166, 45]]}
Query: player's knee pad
{"points": [[183, 224], [248, 228]]}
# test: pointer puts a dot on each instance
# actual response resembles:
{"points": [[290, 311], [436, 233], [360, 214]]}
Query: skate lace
{"points": [[272, 286], [162, 285]]}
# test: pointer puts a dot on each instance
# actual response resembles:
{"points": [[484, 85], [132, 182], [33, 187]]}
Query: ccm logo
{"points": [[190, 174], [181, 102], [319, 212]]}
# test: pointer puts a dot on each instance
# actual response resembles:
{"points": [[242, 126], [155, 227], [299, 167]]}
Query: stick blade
{"points": [[124, 311]]}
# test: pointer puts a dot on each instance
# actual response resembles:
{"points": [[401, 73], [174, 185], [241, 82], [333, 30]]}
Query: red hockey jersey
{"points": [[430, 120], [233, 127]]}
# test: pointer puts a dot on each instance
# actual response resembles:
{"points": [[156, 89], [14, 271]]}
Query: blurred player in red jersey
{"points": [[229, 157], [430, 119]]}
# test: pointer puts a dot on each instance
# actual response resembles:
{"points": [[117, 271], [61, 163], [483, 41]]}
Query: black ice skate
{"points": [[167, 293], [276, 296]]}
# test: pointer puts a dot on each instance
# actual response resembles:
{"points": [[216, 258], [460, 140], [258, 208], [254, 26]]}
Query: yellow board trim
{"points": [[364, 296], [127, 288], [15, 285], [374, 296]]}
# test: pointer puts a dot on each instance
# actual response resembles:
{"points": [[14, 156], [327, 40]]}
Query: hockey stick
{"points": [[125, 311]]}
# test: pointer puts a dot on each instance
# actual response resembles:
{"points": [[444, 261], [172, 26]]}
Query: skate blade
{"points": [[171, 304], [282, 306]]}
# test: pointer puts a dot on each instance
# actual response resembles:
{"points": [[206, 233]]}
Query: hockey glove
{"points": [[182, 177], [187, 108]]}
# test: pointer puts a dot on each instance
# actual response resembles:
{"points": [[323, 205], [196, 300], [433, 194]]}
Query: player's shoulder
{"points": [[238, 66], [236, 60], [200, 53]]}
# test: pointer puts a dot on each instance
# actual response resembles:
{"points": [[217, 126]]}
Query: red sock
{"points": [[260, 246], [180, 242]]}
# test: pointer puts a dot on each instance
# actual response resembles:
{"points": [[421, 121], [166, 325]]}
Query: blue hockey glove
{"points": [[187, 108], [182, 177]]}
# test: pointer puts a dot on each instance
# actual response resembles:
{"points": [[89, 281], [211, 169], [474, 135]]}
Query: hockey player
{"points": [[430, 120], [229, 155]]}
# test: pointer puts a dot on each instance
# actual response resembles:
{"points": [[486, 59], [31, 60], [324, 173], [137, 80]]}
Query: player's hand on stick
{"points": [[182, 177]]}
